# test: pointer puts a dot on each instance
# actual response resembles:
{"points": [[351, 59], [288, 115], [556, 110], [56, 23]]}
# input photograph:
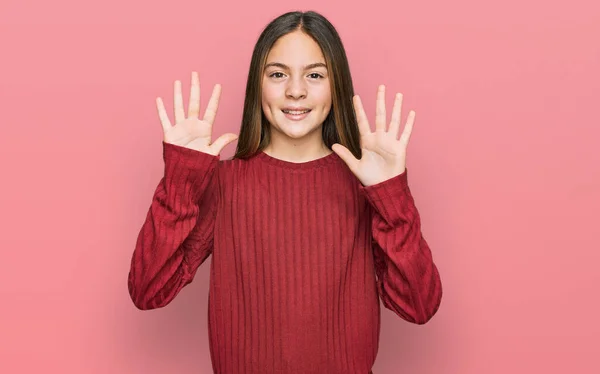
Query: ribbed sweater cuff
{"points": [[392, 199], [388, 188], [187, 171]]}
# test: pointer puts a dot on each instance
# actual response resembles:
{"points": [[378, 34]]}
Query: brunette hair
{"points": [[340, 126]]}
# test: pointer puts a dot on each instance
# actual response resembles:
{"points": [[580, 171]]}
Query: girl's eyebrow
{"points": [[307, 67]]}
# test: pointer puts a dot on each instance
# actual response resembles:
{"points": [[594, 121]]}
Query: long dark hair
{"points": [[340, 126]]}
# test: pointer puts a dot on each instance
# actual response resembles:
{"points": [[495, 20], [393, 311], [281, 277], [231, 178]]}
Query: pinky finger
{"points": [[162, 114]]}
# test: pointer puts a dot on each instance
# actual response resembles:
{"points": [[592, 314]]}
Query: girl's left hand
{"points": [[383, 155]]}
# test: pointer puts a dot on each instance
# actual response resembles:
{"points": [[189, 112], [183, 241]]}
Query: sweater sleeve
{"points": [[408, 281], [177, 234]]}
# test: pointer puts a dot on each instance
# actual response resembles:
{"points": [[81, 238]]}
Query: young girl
{"points": [[309, 225]]}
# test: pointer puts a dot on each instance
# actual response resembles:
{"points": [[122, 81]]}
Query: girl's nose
{"points": [[296, 88]]}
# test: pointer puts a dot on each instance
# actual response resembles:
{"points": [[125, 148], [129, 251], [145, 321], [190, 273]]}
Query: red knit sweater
{"points": [[301, 255]]}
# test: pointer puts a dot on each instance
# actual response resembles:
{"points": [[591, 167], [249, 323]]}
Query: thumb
{"points": [[345, 155], [222, 141]]}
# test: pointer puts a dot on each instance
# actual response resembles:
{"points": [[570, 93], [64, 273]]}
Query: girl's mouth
{"points": [[296, 115]]}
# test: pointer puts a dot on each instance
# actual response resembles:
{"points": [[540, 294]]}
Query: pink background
{"points": [[504, 160]]}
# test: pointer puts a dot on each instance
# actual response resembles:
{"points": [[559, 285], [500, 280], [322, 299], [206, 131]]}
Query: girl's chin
{"points": [[296, 130]]}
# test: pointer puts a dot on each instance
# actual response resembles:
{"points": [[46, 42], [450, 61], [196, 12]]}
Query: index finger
{"points": [[213, 105], [361, 117], [162, 114]]}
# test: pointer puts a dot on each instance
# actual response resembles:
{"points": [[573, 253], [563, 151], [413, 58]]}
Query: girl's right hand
{"points": [[192, 132]]}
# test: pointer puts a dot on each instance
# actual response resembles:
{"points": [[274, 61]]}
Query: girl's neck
{"points": [[297, 153]]}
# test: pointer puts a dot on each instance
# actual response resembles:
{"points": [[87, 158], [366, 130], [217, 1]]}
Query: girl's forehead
{"points": [[295, 48]]}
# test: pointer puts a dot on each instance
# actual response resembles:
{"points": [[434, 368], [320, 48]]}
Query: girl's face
{"points": [[296, 97]]}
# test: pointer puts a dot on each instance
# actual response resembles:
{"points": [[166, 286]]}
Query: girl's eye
{"points": [[280, 75]]}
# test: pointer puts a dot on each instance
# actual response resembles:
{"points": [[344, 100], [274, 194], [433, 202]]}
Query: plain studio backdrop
{"points": [[504, 160]]}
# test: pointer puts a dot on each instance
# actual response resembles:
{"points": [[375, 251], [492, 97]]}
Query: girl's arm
{"points": [[177, 235], [407, 279]]}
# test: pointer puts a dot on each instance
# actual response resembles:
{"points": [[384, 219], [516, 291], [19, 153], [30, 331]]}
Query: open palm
{"points": [[383, 154], [192, 132]]}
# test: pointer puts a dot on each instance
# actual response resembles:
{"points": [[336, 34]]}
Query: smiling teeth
{"points": [[296, 112]]}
